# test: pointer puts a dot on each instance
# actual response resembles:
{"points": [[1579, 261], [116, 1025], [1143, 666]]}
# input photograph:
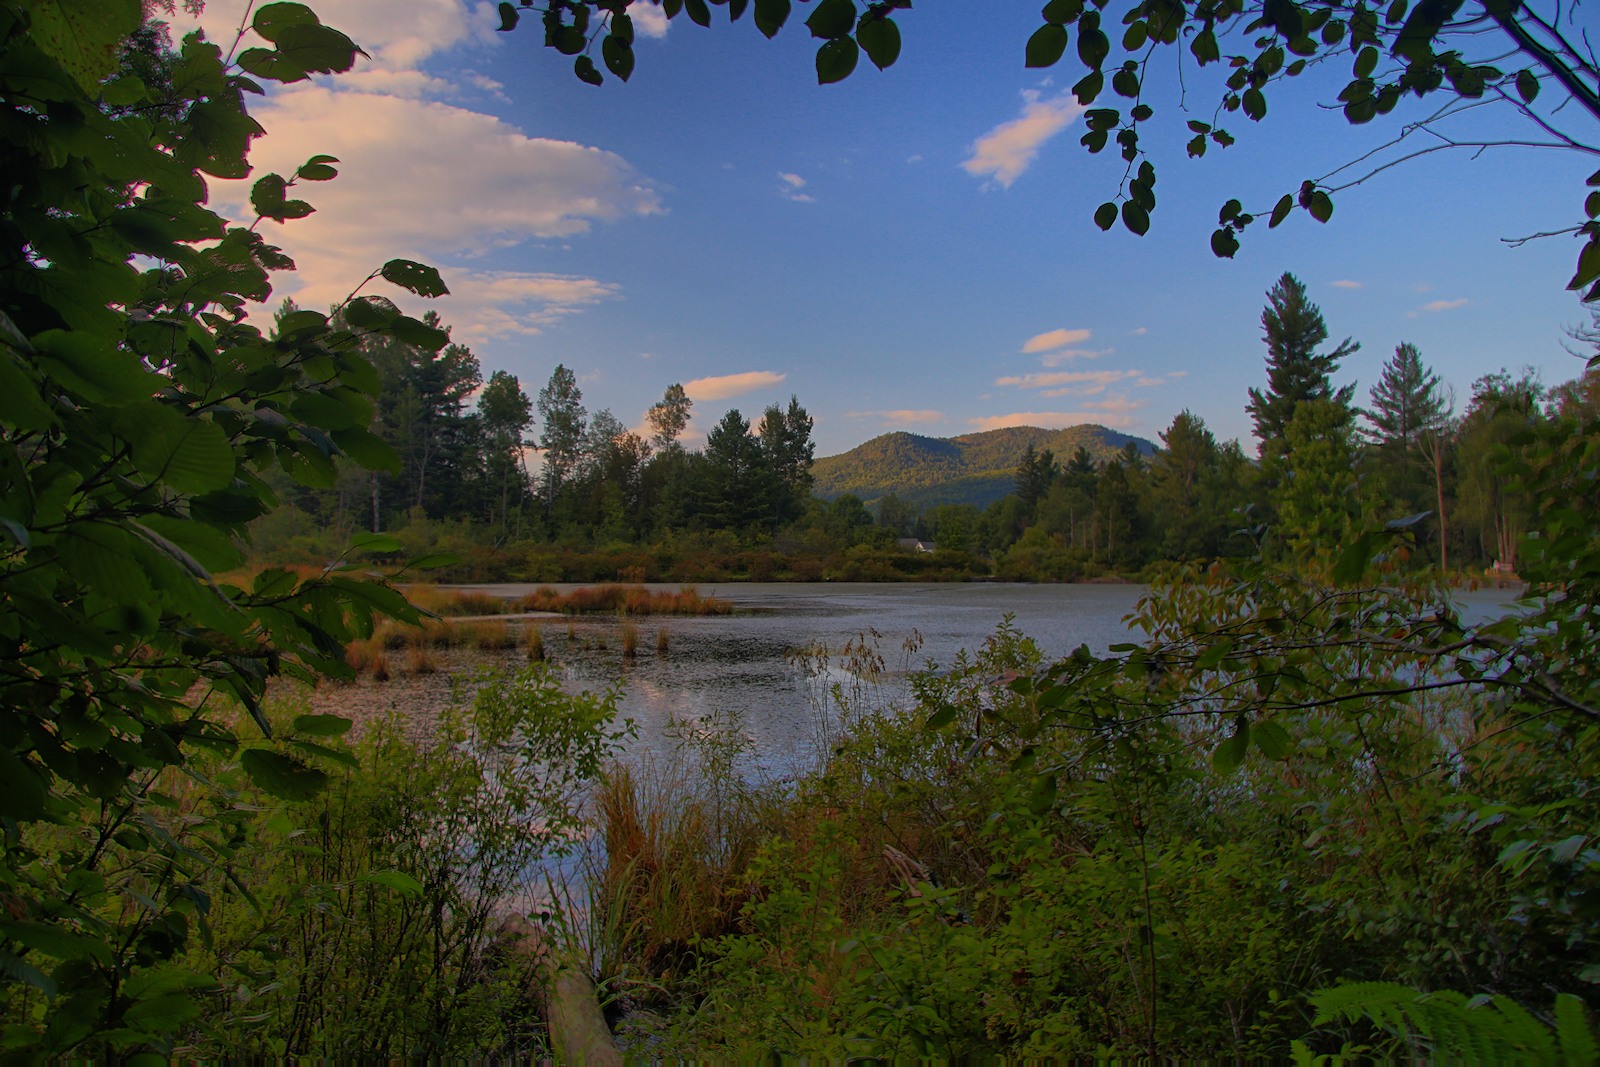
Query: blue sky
{"points": [[911, 249]]}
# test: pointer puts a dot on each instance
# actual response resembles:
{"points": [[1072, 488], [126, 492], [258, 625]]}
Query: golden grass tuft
{"points": [[617, 599]]}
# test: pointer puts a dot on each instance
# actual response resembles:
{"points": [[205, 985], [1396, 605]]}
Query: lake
{"points": [[746, 663]]}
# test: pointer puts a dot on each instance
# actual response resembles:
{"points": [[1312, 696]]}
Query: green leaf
{"points": [[376, 544], [1254, 104], [1135, 218], [1231, 753], [698, 12], [832, 20], [1320, 206], [316, 169], [193, 455], [1105, 216], [1280, 210], [1273, 740], [85, 39], [1047, 45], [508, 17], [271, 20], [618, 56], [771, 15], [586, 71], [1352, 562], [880, 39], [399, 881], [281, 776], [322, 725], [417, 277], [943, 717], [836, 59]]}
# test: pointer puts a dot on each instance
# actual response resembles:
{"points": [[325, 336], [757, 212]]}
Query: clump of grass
{"points": [[661, 641], [380, 668], [484, 636], [363, 655], [421, 661], [630, 641], [616, 599], [534, 641], [452, 602]]}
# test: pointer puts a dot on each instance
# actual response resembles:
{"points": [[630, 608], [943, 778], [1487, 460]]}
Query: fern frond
{"points": [[1448, 1026], [1573, 1032]]}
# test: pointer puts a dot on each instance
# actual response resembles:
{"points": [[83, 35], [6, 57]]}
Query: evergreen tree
{"points": [[788, 452], [1406, 402], [1293, 329], [1315, 498], [1182, 474], [737, 480]]}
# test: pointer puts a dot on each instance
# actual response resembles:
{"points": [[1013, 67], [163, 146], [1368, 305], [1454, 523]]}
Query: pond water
{"points": [[747, 663]]}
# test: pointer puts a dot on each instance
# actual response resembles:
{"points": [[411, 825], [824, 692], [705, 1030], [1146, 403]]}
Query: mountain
{"points": [[975, 468]]}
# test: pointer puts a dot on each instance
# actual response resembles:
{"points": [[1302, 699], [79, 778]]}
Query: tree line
{"points": [[463, 446], [1326, 467]]}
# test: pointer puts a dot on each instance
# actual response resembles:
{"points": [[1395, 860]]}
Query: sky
{"points": [[910, 249]]}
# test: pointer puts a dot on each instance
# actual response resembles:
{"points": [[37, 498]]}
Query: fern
{"points": [[1449, 1026]]}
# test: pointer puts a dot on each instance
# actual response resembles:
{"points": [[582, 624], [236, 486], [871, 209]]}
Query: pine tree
{"points": [[1406, 402], [1296, 372]]}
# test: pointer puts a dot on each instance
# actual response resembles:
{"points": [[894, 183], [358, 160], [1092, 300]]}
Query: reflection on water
{"points": [[745, 663]]}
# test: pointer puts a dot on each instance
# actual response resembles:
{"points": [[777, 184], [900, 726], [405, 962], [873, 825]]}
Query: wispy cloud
{"points": [[1067, 355], [1116, 405], [1434, 307], [723, 386], [900, 417], [1346, 283], [1054, 379], [1050, 420], [493, 304], [1052, 339], [1140, 331], [791, 186], [1006, 151]]}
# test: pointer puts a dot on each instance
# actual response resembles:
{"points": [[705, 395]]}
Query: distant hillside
{"points": [[975, 468]]}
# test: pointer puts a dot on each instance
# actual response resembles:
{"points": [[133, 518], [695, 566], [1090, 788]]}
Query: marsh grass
{"points": [[617, 599]]}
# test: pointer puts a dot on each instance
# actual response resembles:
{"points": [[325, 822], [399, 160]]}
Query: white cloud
{"points": [[648, 19], [421, 178], [721, 387], [1119, 404], [1050, 420], [403, 191], [790, 189], [1006, 151], [1435, 307], [1100, 378], [393, 42], [1067, 355], [486, 305], [1346, 283], [1044, 342], [1140, 331], [900, 417]]}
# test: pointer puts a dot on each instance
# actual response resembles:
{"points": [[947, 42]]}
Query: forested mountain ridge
{"points": [[974, 468]]}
